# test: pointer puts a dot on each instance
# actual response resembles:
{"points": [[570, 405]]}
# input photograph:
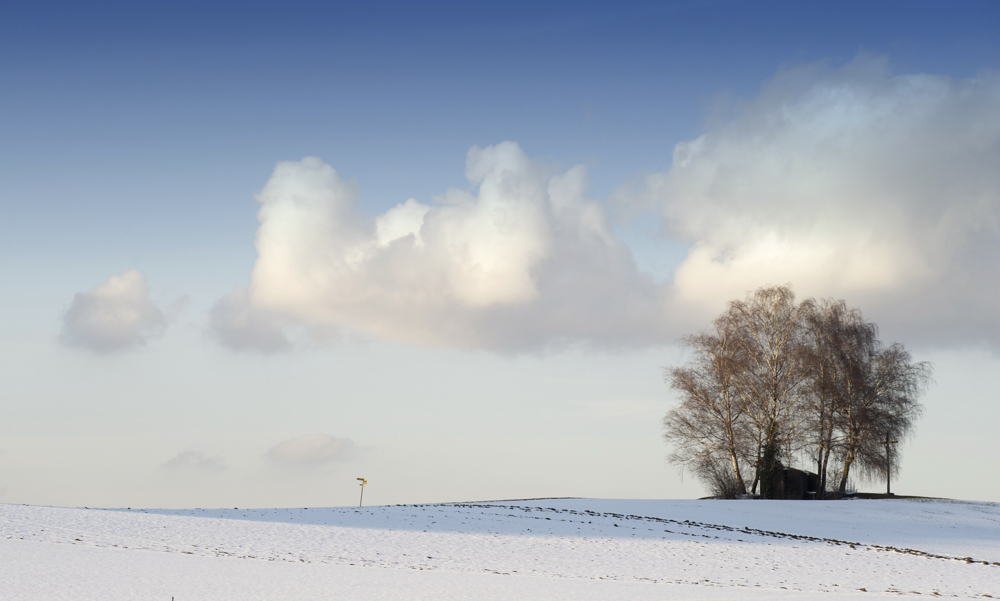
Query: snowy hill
{"points": [[537, 549]]}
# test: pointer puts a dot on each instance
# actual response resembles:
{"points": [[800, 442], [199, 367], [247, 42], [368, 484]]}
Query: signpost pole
{"points": [[888, 464], [363, 482]]}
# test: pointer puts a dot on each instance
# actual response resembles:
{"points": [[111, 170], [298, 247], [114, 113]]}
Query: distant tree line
{"points": [[774, 383]]}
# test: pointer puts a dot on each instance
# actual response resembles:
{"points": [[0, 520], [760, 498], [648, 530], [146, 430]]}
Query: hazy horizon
{"points": [[253, 252]]}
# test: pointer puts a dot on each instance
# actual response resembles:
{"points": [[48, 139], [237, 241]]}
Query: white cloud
{"points": [[854, 183], [311, 449], [846, 182], [113, 316], [194, 460], [524, 262]]}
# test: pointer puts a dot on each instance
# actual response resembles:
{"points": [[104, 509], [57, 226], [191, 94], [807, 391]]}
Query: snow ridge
{"points": [[812, 548]]}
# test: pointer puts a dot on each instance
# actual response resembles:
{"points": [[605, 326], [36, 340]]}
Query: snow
{"points": [[535, 549]]}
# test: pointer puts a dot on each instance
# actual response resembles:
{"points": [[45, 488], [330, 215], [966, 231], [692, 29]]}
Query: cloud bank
{"points": [[850, 182], [113, 316], [524, 262], [311, 449]]}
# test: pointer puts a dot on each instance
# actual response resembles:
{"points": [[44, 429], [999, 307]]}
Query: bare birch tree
{"points": [[769, 332], [707, 428], [774, 379], [878, 398], [826, 323]]}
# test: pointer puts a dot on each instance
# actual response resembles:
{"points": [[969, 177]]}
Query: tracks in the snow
{"points": [[721, 528]]}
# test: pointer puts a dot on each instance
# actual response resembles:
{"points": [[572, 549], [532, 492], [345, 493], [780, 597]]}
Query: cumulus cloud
{"points": [[849, 182], [312, 449], [194, 460], [113, 316], [525, 261], [844, 181]]}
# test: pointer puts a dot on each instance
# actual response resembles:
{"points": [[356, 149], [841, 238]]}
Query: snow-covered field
{"points": [[538, 549]]}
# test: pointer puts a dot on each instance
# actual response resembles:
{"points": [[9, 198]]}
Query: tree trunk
{"points": [[756, 475], [822, 474], [848, 460], [736, 471]]}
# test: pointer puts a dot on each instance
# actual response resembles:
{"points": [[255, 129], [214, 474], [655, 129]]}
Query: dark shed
{"points": [[798, 484]]}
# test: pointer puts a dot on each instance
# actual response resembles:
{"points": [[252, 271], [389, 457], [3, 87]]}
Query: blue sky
{"points": [[136, 94], [131, 126], [133, 136]]}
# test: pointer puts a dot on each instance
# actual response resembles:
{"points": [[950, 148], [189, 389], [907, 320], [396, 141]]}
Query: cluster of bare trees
{"points": [[774, 383]]}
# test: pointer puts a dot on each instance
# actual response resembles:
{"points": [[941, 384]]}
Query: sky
{"points": [[252, 251]]}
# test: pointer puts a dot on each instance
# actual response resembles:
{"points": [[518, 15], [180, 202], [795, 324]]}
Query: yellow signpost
{"points": [[363, 482]]}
